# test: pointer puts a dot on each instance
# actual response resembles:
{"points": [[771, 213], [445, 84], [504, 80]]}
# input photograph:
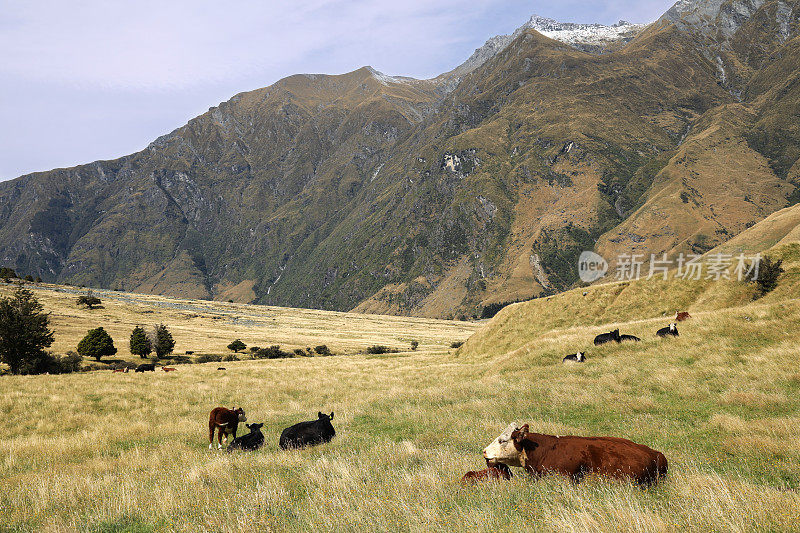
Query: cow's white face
{"points": [[673, 326], [502, 449], [581, 357]]}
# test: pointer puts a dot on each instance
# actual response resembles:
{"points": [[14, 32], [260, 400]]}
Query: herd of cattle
{"points": [[223, 422], [536, 453], [614, 336]]}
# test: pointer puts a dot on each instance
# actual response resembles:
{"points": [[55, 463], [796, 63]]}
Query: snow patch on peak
{"points": [[586, 37], [385, 79], [573, 33]]}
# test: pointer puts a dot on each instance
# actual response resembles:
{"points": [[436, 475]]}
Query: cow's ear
{"points": [[331, 415], [319, 414], [521, 433]]}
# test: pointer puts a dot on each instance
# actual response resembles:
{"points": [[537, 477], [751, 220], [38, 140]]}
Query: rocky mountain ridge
{"points": [[438, 197]]}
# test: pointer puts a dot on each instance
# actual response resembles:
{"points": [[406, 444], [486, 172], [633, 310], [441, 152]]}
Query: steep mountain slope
{"points": [[436, 197]]}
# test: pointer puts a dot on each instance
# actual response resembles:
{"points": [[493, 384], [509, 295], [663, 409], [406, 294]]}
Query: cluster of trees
{"points": [[98, 343], [275, 352], [8, 274]]}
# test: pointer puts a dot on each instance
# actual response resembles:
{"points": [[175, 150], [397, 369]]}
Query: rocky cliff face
{"points": [[436, 197]]}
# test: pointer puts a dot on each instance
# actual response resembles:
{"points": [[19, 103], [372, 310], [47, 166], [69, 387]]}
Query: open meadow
{"points": [[104, 452]]}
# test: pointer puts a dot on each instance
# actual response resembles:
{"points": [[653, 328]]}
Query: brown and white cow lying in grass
{"points": [[576, 457]]}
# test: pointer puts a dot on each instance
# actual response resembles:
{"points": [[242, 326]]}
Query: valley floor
{"points": [[129, 452]]}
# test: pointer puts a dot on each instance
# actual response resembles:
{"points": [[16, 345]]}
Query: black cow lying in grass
{"points": [[633, 338], [308, 433], [612, 336], [146, 368], [252, 441], [669, 331]]}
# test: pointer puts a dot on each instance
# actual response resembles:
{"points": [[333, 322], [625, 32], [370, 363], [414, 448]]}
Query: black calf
{"points": [[252, 441]]}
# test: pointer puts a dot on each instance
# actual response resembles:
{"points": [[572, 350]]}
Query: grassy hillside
{"points": [[114, 452]]}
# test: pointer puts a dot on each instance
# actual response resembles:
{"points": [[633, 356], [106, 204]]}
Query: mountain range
{"points": [[438, 197]]}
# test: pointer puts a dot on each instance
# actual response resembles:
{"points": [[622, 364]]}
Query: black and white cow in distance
{"points": [[308, 433], [579, 357], [669, 331]]}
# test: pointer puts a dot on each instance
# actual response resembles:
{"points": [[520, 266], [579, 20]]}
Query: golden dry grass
{"points": [[128, 452], [208, 327]]}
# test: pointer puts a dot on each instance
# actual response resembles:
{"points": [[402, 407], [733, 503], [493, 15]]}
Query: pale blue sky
{"points": [[97, 79]]}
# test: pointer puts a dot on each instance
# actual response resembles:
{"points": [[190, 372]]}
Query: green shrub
{"points": [[322, 349], [230, 357], [209, 358], [380, 349], [273, 352], [299, 352], [88, 300], [414, 345], [254, 349], [457, 344], [237, 346], [768, 273], [69, 363]]}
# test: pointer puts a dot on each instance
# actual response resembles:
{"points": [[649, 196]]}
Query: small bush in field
{"points": [[414, 345], [457, 344], [273, 352], [768, 273], [299, 352], [254, 349], [209, 358], [380, 349], [323, 349], [230, 357], [237, 346]]}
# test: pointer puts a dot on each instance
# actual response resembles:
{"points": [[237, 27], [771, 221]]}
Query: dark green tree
{"points": [[140, 344], [97, 343], [162, 340], [236, 346], [24, 331], [768, 273]]}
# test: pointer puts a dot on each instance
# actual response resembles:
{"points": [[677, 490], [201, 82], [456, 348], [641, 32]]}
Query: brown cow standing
{"points": [[498, 471], [575, 457], [225, 421]]}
